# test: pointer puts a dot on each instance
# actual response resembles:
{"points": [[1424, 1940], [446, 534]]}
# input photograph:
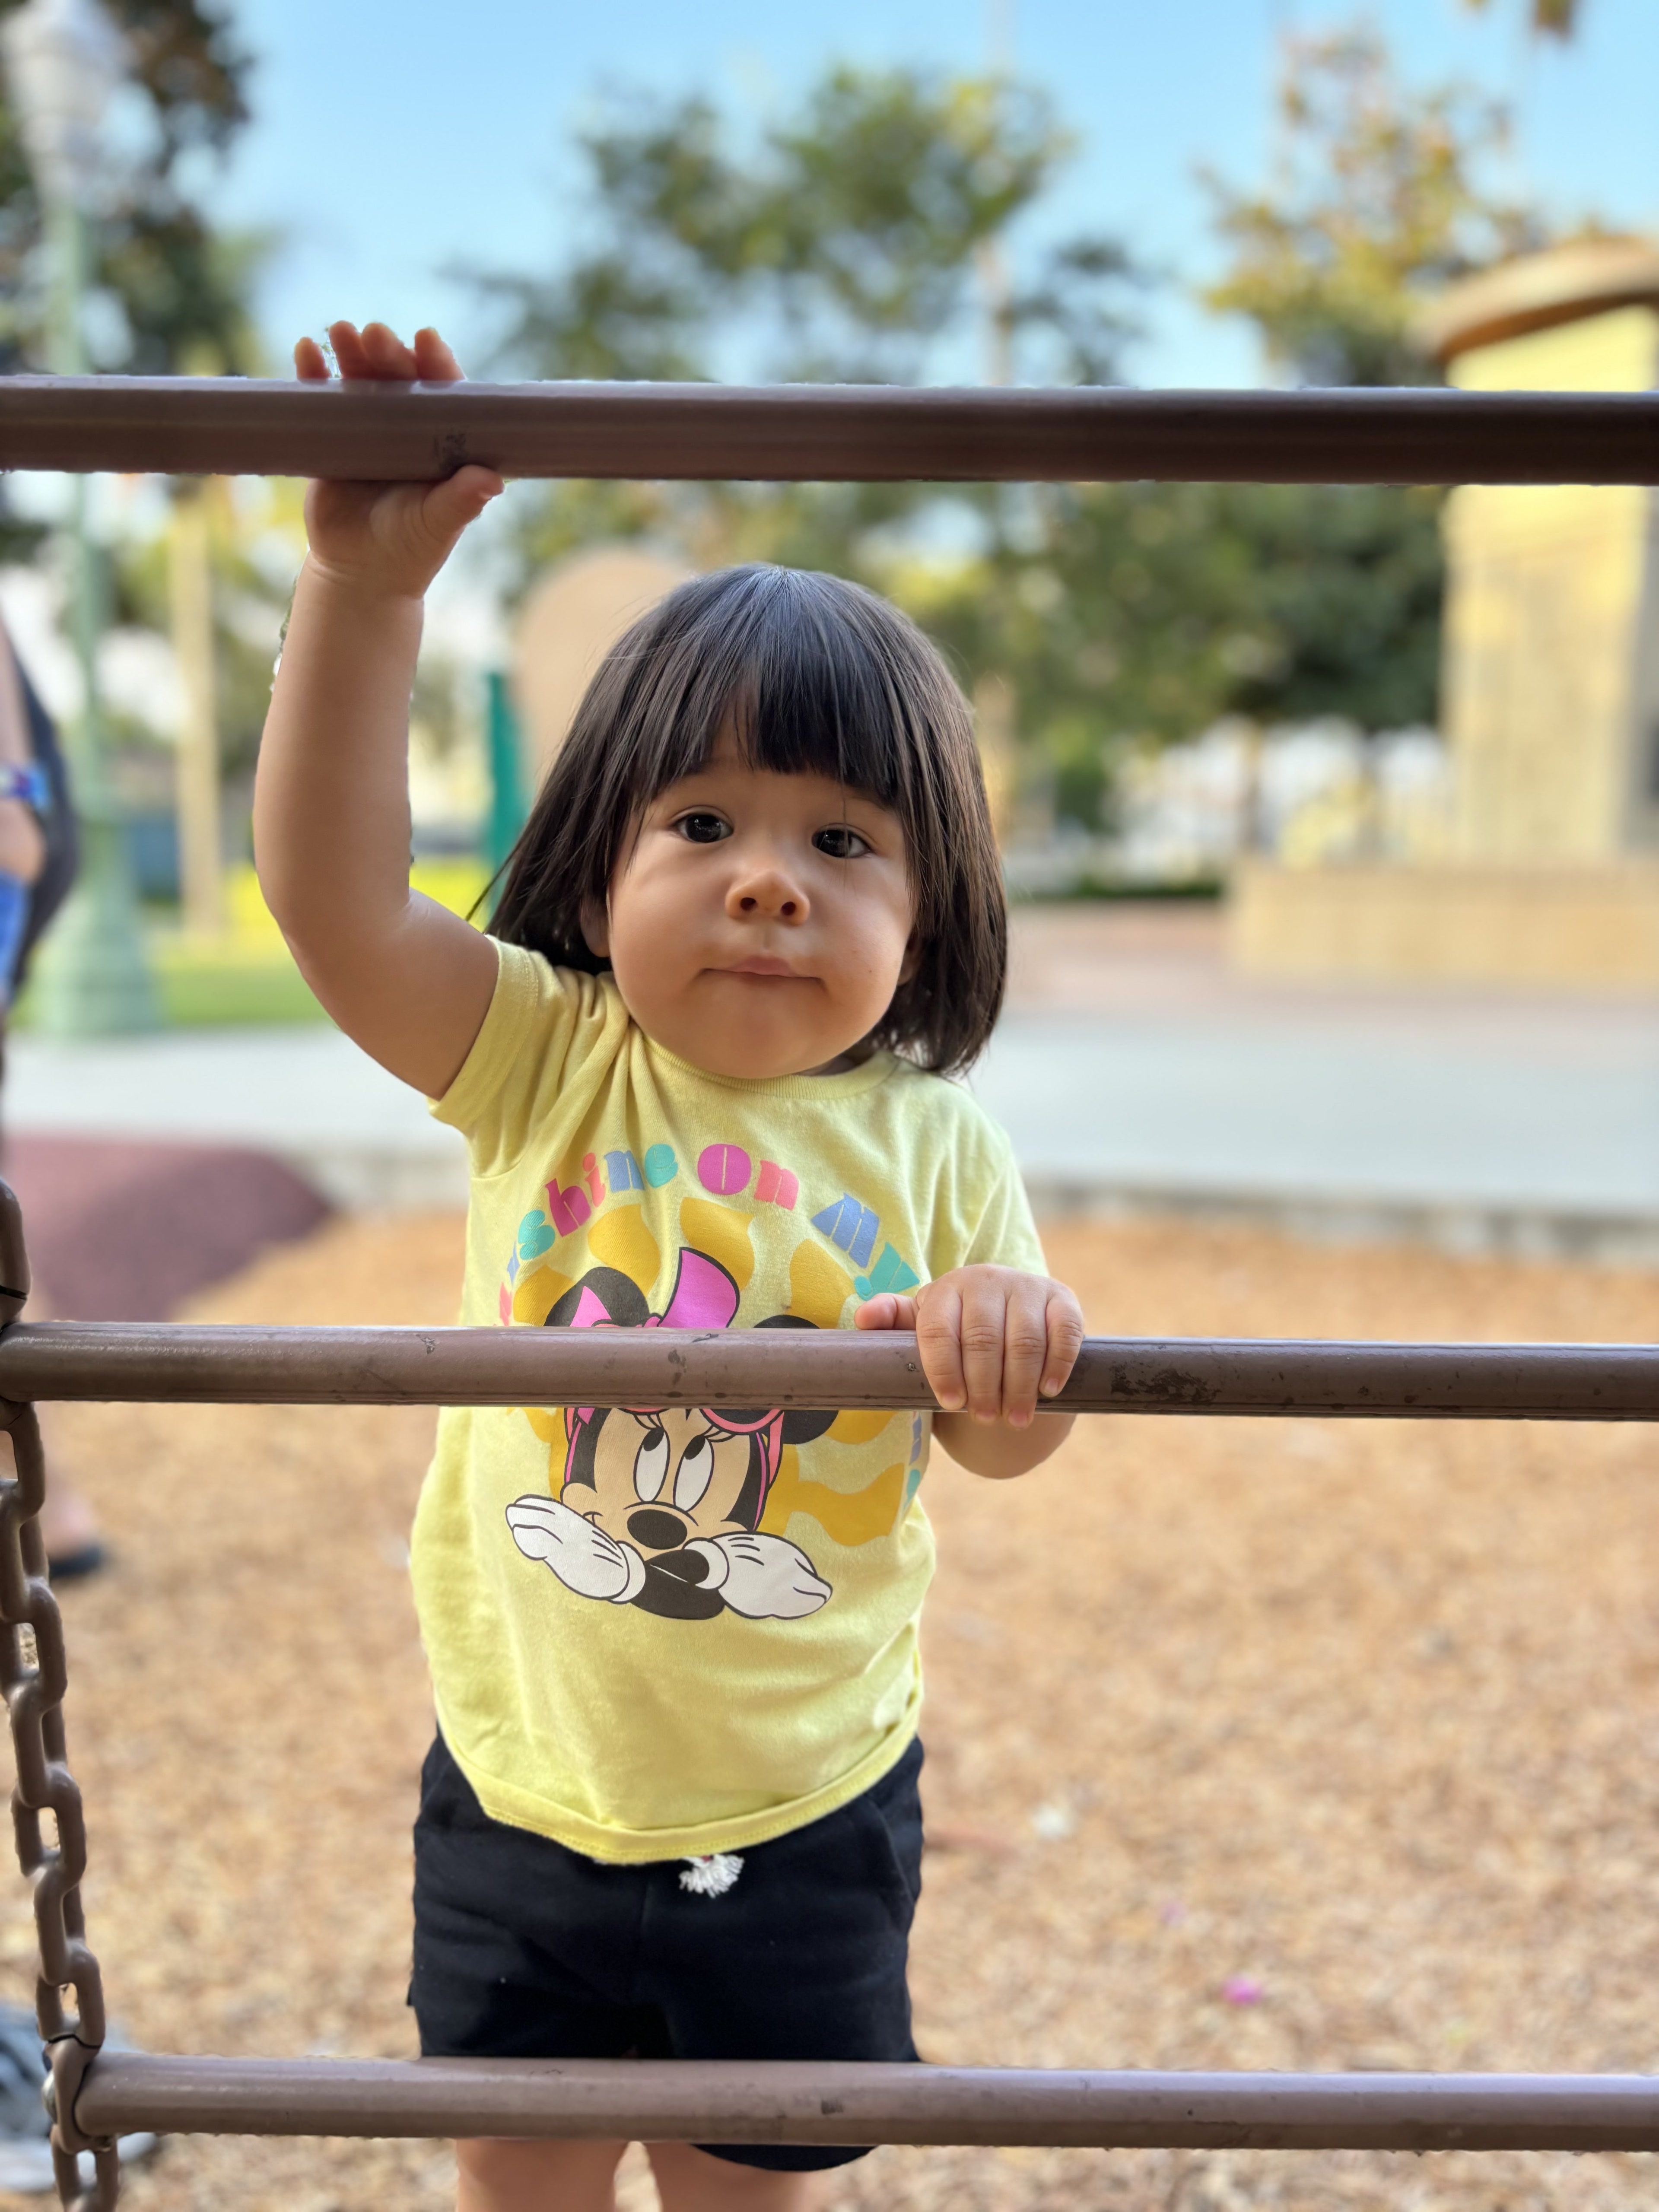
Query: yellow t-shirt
{"points": [[659, 1634]]}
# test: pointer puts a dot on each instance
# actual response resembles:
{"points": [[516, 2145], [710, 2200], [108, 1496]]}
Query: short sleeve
{"points": [[1005, 1235], [550, 1033]]}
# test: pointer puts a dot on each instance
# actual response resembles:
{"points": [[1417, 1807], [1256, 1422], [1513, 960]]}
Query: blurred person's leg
{"points": [[22, 840], [68, 1524]]}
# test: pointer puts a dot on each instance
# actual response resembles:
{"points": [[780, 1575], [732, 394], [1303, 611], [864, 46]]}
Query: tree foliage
{"points": [[847, 242], [1138, 614], [177, 291], [851, 238], [1379, 196]]}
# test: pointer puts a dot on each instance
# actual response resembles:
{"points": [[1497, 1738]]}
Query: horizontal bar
{"points": [[161, 1361], [702, 2101], [227, 426]]}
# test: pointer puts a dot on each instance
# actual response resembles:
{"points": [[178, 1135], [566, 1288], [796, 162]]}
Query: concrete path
{"points": [[1132, 1070], [305, 1093], [1134, 1067]]}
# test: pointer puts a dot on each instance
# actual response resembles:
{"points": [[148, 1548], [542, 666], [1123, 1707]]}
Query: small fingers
{"points": [[1011, 1337], [886, 1311], [460, 499], [1024, 1351], [938, 1342], [983, 1329], [1064, 1335], [374, 351], [350, 356], [390, 357], [434, 362]]}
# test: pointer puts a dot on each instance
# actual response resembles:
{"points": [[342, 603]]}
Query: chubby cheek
{"points": [[659, 918], [657, 959], [872, 948]]}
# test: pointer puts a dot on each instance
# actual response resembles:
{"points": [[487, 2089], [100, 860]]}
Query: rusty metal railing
{"points": [[773, 2101], [167, 1361], [232, 426]]}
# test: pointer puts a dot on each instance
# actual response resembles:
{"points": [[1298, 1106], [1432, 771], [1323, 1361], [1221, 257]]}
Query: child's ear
{"points": [[596, 929]]}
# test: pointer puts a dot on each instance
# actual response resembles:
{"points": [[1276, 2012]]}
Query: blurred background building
{"points": [[1541, 867]]}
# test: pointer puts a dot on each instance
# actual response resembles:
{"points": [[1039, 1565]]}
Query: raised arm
{"points": [[407, 979]]}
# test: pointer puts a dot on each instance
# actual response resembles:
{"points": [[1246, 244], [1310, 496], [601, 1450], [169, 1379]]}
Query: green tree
{"points": [[176, 294], [252, 559], [847, 242], [180, 289], [851, 240], [863, 235], [1378, 195]]}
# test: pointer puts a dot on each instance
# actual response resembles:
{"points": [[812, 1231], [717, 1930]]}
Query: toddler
{"points": [[755, 917]]}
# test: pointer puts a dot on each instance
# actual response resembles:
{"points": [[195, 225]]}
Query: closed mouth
{"points": [[763, 964]]}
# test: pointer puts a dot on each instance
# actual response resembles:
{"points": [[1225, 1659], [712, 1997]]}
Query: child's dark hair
{"points": [[812, 675]]}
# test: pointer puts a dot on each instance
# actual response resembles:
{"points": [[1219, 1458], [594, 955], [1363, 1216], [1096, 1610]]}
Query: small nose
{"points": [[656, 1531], [768, 890]]}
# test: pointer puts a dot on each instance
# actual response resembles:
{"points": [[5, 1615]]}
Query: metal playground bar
{"points": [[382, 432], [229, 426]]}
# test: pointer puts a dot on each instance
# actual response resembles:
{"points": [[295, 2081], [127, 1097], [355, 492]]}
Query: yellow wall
{"points": [[1589, 928], [1545, 607]]}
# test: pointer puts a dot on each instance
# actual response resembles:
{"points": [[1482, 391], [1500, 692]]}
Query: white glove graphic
{"points": [[761, 1577], [585, 1559]]}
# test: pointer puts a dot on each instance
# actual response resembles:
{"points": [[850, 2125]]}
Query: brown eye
{"points": [[703, 829], [840, 843]]}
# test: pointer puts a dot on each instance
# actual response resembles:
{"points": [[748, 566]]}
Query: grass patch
{"points": [[220, 993], [246, 979]]}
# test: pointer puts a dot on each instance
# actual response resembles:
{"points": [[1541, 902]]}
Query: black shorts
{"points": [[525, 1949]]}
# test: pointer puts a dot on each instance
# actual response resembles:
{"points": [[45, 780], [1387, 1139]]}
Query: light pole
{"points": [[63, 61]]}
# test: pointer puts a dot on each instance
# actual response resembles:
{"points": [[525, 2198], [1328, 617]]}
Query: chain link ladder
{"points": [[34, 1677]]}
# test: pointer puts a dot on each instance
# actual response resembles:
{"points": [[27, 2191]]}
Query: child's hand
{"points": [[390, 539], [991, 1339]]}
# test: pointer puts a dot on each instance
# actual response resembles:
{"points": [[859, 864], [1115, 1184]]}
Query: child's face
{"points": [[762, 923]]}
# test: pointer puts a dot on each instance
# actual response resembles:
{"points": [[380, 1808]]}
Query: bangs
{"points": [[752, 654]]}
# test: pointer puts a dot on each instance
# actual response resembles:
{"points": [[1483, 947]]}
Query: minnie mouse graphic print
{"points": [[658, 1633], [661, 1506]]}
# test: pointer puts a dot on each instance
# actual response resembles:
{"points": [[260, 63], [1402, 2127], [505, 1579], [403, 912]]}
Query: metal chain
{"points": [[34, 1677]]}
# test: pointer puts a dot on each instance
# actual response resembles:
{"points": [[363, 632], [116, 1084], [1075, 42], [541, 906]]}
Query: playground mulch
{"points": [[1249, 1744]]}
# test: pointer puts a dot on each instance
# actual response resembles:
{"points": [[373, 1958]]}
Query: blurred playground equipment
{"points": [[568, 621]]}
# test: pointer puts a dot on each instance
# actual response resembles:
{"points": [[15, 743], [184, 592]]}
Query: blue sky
{"points": [[392, 136]]}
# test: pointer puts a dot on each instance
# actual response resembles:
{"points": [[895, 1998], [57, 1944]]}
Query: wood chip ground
{"points": [[1271, 1744]]}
